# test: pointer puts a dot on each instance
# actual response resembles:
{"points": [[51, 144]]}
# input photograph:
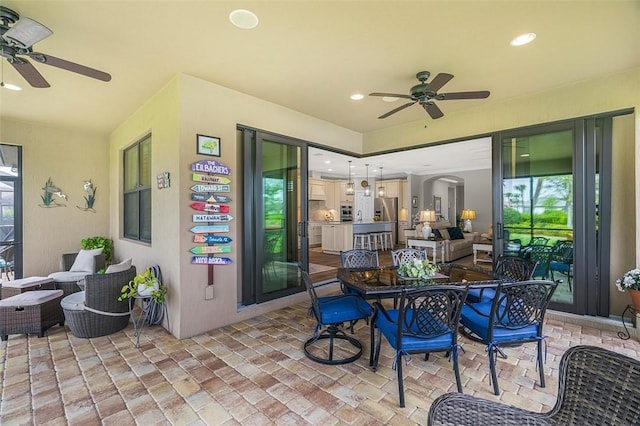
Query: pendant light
{"points": [[366, 186], [381, 191], [350, 185]]}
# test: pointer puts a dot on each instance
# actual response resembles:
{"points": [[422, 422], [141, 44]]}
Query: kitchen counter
{"points": [[365, 227]]}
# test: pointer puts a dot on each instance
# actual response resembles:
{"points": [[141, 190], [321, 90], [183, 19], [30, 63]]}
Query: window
{"points": [[137, 191]]}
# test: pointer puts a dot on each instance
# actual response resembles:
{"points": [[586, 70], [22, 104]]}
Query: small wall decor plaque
{"points": [[208, 145], [50, 190], [90, 198], [163, 180]]}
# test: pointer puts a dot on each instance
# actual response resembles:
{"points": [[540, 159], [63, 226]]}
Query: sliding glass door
{"points": [[275, 204]]}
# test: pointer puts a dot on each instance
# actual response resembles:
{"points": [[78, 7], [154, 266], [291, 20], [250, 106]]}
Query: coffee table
{"points": [[482, 246]]}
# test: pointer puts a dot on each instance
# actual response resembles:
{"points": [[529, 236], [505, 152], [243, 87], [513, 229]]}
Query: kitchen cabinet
{"points": [[391, 188], [404, 199], [402, 226], [330, 196], [316, 189], [315, 234], [337, 238], [341, 192]]}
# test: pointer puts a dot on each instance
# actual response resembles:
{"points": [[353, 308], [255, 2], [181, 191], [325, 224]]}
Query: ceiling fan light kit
{"points": [[425, 93], [17, 36]]}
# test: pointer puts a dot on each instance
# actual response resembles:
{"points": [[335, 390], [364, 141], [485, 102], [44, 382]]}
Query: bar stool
{"points": [[362, 241], [386, 240]]}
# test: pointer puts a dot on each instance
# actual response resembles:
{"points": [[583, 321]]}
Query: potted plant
{"points": [[631, 281], [144, 284], [421, 269], [105, 243]]}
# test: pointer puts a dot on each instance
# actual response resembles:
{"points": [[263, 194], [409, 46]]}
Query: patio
{"points": [[254, 372]]}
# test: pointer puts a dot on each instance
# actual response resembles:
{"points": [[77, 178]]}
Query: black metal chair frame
{"points": [[426, 313], [514, 268], [407, 255], [596, 387], [515, 306], [562, 252], [331, 331], [359, 258]]}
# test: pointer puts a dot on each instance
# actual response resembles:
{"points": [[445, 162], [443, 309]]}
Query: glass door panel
{"points": [[10, 213], [538, 205]]}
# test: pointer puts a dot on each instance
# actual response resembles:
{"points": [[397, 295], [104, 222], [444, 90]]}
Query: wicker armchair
{"points": [[596, 387], [96, 311], [66, 280]]}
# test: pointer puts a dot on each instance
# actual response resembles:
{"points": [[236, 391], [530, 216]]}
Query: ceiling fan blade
{"points": [[400, 108], [69, 66], [26, 32], [29, 73], [438, 81], [391, 95], [433, 110], [480, 94]]}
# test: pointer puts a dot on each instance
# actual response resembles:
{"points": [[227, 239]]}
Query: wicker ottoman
{"points": [[11, 288], [31, 312]]}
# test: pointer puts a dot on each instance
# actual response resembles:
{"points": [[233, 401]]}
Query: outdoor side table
{"points": [[139, 319]]}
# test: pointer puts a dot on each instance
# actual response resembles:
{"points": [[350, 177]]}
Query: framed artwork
{"points": [[208, 145], [437, 205], [414, 202]]}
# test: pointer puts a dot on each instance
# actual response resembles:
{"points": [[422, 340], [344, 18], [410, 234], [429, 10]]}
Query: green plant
{"points": [[629, 281], [142, 280], [105, 243], [418, 269]]}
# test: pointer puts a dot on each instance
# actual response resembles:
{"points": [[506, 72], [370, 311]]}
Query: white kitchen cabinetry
{"points": [[330, 196], [341, 193], [337, 238], [391, 188], [315, 234], [404, 198], [316, 189], [402, 226]]}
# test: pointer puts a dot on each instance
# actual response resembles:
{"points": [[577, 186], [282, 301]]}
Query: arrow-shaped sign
{"points": [[206, 207], [211, 249], [211, 198], [207, 260], [210, 166], [212, 239], [198, 177], [212, 218], [211, 188], [209, 229]]}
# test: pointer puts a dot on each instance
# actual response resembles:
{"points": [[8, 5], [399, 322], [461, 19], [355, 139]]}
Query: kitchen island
{"points": [[339, 237]]}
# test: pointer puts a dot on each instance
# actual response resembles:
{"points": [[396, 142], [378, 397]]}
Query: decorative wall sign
{"points": [[210, 198], [90, 198], [210, 260], [212, 239], [163, 180], [211, 249], [210, 166], [212, 218], [209, 229], [198, 177], [49, 191], [208, 145], [211, 188], [206, 207]]}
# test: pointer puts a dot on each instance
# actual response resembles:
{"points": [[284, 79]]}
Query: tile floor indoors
{"points": [[255, 373]]}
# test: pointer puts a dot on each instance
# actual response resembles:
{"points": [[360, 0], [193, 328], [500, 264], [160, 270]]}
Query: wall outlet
{"points": [[208, 292]]}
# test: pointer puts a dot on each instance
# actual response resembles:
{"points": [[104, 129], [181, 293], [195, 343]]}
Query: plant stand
{"points": [[138, 322]]}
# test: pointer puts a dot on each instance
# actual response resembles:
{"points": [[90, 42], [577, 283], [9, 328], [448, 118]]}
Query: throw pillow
{"points": [[84, 261], [119, 267], [437, 233], [455, 233], [445, 234]]}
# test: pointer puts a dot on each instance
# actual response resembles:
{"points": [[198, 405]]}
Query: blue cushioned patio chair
{"points": [[514, 316], [358, 258], [407, 255], [510, 268], [562, 260], [331, 312], [426, 321]]}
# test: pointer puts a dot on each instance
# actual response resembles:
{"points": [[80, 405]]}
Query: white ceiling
{"points": [[311, 55], [441, 159]]}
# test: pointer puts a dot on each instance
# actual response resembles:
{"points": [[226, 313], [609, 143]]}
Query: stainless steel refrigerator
{"points": [[387, 210]]}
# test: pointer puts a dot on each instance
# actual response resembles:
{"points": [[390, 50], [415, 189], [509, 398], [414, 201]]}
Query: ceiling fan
{"points": [[425, 93], [17, 36]]}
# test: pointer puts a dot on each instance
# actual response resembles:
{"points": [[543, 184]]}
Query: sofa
{"points": [[457, 244]]}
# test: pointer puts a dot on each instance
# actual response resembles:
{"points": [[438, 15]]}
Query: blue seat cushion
{"points": [[475, 317], [338, 309], [559, 266], [476, 295], [412, 343]]}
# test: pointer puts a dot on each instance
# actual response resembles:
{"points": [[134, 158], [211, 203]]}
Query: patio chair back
{"points": [[515, 268], [359, 258], [406, 255]]}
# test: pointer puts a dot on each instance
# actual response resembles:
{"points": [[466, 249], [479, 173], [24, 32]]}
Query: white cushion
{"points": [[119, 267], [26, 282], [73, 302], [31, 298], [84, 261], [68, 276]]}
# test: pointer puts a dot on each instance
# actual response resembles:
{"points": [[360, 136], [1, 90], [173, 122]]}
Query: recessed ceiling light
{"points": [[244, 19], [329, 170], [357, 97], [10, 86], [524, 155], [389, 98], [523, 39], [327, 161]]}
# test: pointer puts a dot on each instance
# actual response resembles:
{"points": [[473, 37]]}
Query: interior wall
{"points": [[69, 157]]}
